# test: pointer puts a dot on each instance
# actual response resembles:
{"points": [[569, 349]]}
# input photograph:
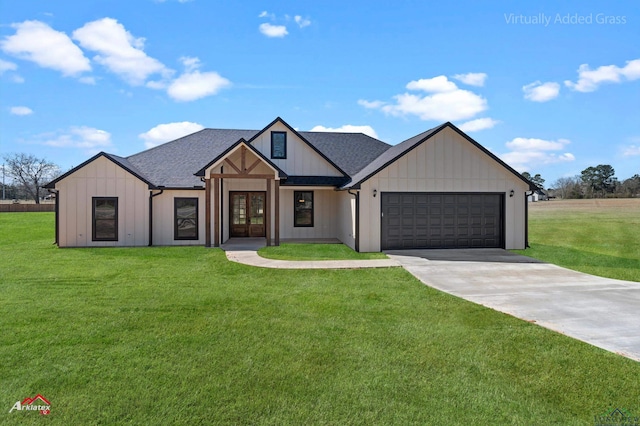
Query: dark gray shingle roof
{"points": [[349, 151], [173, 164]]}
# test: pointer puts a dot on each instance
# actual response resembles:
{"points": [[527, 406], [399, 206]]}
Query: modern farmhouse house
{"points": [[439, 189]]}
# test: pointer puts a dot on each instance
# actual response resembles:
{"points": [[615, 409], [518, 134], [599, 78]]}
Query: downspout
{"points": [[357, 236], [526, 219], [221, 205], [151, 195], [57, 213]]}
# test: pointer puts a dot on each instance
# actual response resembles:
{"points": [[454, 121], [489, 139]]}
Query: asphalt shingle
{"points": [[173, 164]]}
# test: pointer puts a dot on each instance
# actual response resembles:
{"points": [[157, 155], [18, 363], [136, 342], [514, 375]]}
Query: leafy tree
{"points": [[536, 180], [599, 180], [30, 172]]}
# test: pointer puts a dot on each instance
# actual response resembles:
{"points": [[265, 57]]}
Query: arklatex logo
{"points": [[37, 403]]}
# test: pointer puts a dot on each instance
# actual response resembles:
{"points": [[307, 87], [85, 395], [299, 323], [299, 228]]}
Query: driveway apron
{"points": [[600, 311]]}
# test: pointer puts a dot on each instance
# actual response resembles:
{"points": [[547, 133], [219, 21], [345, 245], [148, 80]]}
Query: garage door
{"points": [[441, 220]]}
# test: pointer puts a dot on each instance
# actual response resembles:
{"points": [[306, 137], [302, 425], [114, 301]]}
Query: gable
{"points": [[101, 166], [449, 163], [241, 158], [446, 157], [302, 159]]}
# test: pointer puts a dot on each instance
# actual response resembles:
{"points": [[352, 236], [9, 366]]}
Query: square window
{"points": [[104, 212], [303, 208], [185, 218], [279, 145]]}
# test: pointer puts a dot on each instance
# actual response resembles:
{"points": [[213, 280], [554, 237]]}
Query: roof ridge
{"points": [[168, 142]]}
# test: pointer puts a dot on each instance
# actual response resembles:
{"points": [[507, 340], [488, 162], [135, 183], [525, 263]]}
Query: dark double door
{"points": [[247, 214]]}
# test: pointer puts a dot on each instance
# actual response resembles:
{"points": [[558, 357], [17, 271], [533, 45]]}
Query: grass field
{"points": [[599, 237], [179, 335]]}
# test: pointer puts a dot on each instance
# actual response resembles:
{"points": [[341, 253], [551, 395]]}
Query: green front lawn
{"points": [[315, 252], [599, 237], [180, 335]]}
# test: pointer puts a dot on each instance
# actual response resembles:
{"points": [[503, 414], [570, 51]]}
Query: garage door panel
{"points": [[441, 220]]}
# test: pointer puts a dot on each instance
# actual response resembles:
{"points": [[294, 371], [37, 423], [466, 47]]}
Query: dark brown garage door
{"points": [[441, 220]]}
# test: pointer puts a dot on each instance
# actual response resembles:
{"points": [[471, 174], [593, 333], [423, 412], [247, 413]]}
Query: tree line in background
{"points": [[592, 182]]}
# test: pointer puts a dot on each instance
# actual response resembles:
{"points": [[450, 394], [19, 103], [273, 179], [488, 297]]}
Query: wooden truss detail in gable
{"points": [[242, 170]]}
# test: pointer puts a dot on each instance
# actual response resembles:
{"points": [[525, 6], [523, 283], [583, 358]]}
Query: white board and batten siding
{"points": [[445, 163], [325, 214], [102, 178], [164, 217], [346, 218], [301, 159]]}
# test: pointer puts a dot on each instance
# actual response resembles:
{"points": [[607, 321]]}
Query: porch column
{"points": [[207, 212], [267, 213], [277, 213], [216, 212]]}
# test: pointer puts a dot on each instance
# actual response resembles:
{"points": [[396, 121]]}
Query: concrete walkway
{"points": [[244, 251], [600, 311]]}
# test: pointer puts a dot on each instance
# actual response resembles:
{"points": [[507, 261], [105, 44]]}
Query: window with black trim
{"points": [[279, 145], [303, 208], [186, 218], [104, 218]]}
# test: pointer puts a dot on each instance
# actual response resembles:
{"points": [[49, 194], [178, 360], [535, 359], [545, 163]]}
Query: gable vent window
{"points": [[279, 145], [105, 218], [303, 208], [186, 218]]}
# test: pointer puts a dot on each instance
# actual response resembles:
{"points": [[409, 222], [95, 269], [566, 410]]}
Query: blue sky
{"points": [[550, 87]]}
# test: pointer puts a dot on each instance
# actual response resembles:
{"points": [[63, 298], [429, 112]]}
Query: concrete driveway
{"points": [[600, 311]]}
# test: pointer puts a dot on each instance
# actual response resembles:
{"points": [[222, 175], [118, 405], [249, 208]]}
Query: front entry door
{"points": [[247, 214]]}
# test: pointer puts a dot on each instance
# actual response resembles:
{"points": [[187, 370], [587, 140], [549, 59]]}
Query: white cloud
{"points": [[119, 51], [478, 124], [265, 14], [541, 92], [193, 84], [589, 80], [631, 150], [37, 42], [7, 66], [533, 144], [370, 104], [527, 153], [472, 78], [446, 103], [302, 22], [167, 132], [436, 84], [89, 139], [190, 63], [273, 30], [347, 128], [20, 110]]}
